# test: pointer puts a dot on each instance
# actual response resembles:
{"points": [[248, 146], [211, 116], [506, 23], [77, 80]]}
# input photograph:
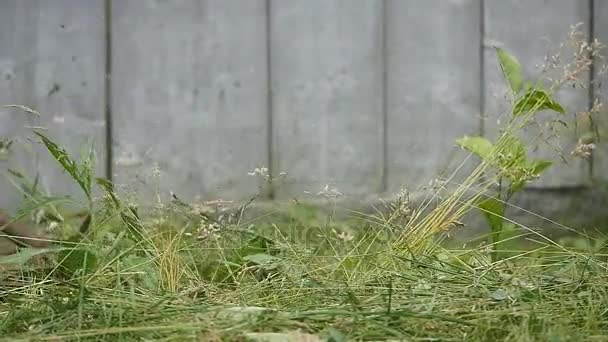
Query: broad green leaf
{"points": [[25, 254], [516, 186], [511, 69], [73, 260], [144, 270], [84, 226], [536, 100], [539, 166], [506, 240], [480, 146], [531, 170], [494, 211], [260, 259], [513, 152], [508, 233], [256, 245], [529, 85]]}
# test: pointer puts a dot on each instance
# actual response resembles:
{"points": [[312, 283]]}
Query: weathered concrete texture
{"points": [[327, 95], [527, 29], [51, 60], [190, 95], [365, 95], [433, 87], [600, 91]]}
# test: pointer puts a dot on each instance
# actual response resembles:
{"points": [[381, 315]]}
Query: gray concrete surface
{"points": [[433, 88], [367, 96], [189, 95], [327, 94], [52, 60]]}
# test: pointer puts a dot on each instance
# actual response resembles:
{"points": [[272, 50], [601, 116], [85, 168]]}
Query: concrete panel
{"points": [[327, 95], [600, 91], [51, 60], [526, 29], [189, 89], [433, 88]]}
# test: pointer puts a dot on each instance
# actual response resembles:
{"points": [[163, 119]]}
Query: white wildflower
{"points": [[329, 192], [344, 236]]}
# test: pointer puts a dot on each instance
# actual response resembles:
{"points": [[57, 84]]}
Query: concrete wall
{"points": [[52, 59], [190, 95]]}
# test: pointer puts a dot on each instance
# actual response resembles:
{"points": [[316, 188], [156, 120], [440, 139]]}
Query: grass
{"points": [[213, 272], [298, 271]]}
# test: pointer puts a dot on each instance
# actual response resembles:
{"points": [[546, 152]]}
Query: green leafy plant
{"points": [[507, 156], [81, 173], [78, 258]]}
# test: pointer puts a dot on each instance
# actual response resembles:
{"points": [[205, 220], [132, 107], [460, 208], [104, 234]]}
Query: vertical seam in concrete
{"points": [[384, 109], [591, 93], [108, 88], [269, 99], [482, 66]]}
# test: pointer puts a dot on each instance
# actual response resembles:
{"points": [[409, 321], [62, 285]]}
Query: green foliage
{"points": [[508, 155], [536, 100], [25, 255], [510, 159], [480, 146], [76, 261], [494, 211], [145, 273], [82, 174], [501, 231], [511, 70]]}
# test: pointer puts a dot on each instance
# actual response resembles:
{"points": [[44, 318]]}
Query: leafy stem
{"points": [[513, 169]]}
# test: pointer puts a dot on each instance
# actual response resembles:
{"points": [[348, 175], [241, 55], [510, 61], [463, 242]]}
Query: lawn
{"points": [[297, 274]]}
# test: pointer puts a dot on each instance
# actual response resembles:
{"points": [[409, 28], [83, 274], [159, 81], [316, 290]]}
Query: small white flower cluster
{"points": [[329, 192], [399, 207], [207, 230], [402, 205], [516, 281], [435, 185], [583, 150], [584, 147], [262, 171], [344, 236]]}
